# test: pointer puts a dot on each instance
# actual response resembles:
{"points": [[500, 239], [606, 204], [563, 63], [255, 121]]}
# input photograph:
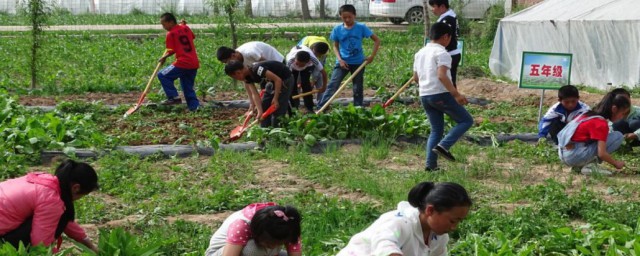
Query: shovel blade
{"points": [[237, 132]]}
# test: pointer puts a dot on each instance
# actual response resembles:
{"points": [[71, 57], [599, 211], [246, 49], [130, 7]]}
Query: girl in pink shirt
{"points": [[260, 229], [37, 208]]}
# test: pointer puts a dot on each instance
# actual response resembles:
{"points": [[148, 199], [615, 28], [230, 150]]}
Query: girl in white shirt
{"points": [[417, 227]]}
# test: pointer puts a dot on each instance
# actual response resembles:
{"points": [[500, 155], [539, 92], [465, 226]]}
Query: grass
{"points": [[80, 62], [518, 195]]}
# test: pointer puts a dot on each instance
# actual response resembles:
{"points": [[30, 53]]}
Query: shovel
{"points": [[144, 93], [237, 133], [404, 87], [344, 85], [240, 128], [305, 94]]}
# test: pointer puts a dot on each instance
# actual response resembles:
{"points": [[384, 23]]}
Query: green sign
{"points": [[545, 70]]}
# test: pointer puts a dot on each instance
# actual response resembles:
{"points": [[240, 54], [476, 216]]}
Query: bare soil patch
{"points": [[272, 177], [159, 129], [502, 91]]}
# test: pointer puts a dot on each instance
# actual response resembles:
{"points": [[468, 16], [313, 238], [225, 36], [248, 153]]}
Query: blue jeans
{"points": [[187, 78], [584, 153], [336, 78], [436, 106]]}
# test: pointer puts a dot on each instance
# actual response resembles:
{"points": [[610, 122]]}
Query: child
{"points": [[568, 108], [586, 139], [303, 63], [347, 45], [320, 46], [38, 207], [630, 125], [179, 41], [274, 77], [417, 227], [249, 53], [439, 96], [446, 15], [260, 229]]}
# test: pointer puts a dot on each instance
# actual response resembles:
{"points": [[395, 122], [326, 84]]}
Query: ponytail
{"points": [[443, 196], [68, 173], [617, 98]]}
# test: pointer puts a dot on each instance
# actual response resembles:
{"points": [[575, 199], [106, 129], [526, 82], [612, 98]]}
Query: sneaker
{"points": [[593, 168], [174, 101], [429, 169], [443, 153]]}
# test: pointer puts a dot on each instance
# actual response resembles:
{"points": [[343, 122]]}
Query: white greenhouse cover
{"points": [[260, 8], [602, 35]]}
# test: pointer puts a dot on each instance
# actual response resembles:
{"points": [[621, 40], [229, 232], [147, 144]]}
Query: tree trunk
{"points": [[34, 62], [305, 10], [427, 22], [232, 25], [248, 8], [322, 10]]}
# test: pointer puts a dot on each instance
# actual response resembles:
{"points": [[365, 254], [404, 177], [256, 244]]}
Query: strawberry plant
{"points": [[24, 133]]}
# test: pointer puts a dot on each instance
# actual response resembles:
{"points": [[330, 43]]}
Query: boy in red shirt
{"points": [[179, 41]]}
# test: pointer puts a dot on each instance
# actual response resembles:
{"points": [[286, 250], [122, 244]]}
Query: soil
{"points": [[502, 91], [158, 129], [272, 178], [132, 97]]}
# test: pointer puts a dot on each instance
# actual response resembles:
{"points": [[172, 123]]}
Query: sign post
{"points": [[544, 70]]}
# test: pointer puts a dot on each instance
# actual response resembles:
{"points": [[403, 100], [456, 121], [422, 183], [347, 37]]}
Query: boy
{"points": [[446, 15], [438, 95], [274, 77], [302, 63], [320, 46], [249, 53], [568, 108], [347, 45], [179, 41]]}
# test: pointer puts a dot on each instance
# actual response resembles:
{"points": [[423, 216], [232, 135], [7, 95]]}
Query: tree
{"points": [[229, 7], [37, 11], [248, 8], [322, 10], [305, 9]]}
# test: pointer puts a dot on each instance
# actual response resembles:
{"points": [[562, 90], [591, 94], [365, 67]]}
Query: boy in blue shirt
{"points": [[560, 114], [347, 41]]}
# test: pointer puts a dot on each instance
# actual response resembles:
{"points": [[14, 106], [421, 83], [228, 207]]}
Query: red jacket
{"points": [[37, 195]]}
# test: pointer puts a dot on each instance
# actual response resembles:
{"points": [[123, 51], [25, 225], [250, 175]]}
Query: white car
{"points": [[398, 11]]}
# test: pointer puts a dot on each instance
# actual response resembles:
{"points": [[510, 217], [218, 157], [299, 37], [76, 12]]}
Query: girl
{"points": [[35, 209], [260, 229], [417, 227], [586, 139], [630, 124]]}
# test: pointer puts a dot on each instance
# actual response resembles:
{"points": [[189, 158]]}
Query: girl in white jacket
{"points": [[418, 227]]}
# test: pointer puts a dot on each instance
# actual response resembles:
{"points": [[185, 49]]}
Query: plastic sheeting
{"points": [[602, 35], [260, 8]]}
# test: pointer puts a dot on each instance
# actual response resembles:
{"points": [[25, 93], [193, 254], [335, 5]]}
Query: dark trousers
{"points": [[455, 61], [21, 234], [283, 101], [625, 126], [305, 81], [554, 128]]}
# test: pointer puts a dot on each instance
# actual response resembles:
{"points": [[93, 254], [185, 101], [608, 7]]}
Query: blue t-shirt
{"points": [[350, 41]]}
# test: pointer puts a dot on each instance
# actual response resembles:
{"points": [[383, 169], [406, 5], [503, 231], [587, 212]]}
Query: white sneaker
{"points": [[593, 168]]}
